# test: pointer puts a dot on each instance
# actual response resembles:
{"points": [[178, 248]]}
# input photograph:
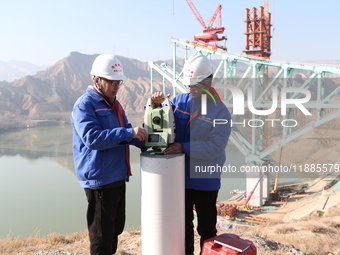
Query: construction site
{"points": [[254, 73], [285, 122]]}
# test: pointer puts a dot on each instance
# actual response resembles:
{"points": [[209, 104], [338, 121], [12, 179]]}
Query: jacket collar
{"points": [[97, 96]]}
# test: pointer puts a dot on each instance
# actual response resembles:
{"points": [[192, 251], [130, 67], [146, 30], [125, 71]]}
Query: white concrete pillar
{"points": [[162, 184], [252, 180]]}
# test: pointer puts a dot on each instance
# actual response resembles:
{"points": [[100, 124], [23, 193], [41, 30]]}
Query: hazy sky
{"points": [[43, 32]]}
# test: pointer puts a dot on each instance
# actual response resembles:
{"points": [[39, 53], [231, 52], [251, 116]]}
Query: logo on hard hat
{"points": [[188, 73], [115, 65], [117, 70]]}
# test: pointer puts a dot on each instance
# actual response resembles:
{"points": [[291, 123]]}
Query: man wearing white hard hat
{"points": [[101, 139], [203, 144]]}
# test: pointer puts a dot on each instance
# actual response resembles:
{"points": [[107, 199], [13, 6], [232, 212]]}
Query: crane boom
{"points": [[196, 13], [210, 32], [213, 18]]}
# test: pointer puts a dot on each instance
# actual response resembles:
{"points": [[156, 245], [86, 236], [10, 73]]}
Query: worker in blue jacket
{"points": [[203, 144], [101, 139]]}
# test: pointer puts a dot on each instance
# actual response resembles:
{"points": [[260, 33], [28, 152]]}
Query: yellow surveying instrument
{"points": [[159, 124]]}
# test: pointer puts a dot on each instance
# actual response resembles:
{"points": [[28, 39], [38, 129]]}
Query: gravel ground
{"points": [[53, 252], [263, 245]]}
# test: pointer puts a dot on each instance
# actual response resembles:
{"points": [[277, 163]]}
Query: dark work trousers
{"points": [[105, 218], [205, 204]]}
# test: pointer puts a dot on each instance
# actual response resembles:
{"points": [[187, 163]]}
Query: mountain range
{"points": [[49, 95], [14, 69]]}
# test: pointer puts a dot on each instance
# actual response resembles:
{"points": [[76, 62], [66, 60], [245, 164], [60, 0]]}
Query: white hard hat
{"points": [[196, 69], [108, 66]]}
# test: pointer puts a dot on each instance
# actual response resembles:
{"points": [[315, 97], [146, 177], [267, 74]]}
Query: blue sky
{"points": [[43, 32]]}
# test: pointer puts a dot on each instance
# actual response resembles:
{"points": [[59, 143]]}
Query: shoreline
{"points": [[15, 124]]}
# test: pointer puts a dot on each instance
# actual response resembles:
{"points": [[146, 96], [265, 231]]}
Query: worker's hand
{"points": [[174, 148], [158, 98], [139, 133]]}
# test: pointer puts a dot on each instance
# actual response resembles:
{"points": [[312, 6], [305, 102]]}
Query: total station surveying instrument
{"points": [[159, 123]]}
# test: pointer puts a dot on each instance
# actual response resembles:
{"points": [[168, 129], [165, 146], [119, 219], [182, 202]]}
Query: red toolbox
{"points": [[228, 244]]}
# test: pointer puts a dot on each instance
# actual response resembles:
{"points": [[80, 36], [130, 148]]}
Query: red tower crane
{"points": [[210, 32]]}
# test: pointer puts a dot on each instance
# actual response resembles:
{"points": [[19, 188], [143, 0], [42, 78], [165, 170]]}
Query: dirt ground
{"points": [[303, 233]]}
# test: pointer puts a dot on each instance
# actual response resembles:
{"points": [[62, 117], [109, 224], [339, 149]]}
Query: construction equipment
{"points": [[159, 123], [266, 6], [210, 31], [258, 32], [274, 193], [245, 205]]}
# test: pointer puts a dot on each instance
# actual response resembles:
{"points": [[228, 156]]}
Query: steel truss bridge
{"points": [[257, 135]]}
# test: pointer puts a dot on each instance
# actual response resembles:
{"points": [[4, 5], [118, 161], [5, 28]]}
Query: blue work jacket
{"points": [[99, 141], [204, 145]]}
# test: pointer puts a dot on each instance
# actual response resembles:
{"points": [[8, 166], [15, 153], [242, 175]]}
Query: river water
{"points": [[40, 193]]}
